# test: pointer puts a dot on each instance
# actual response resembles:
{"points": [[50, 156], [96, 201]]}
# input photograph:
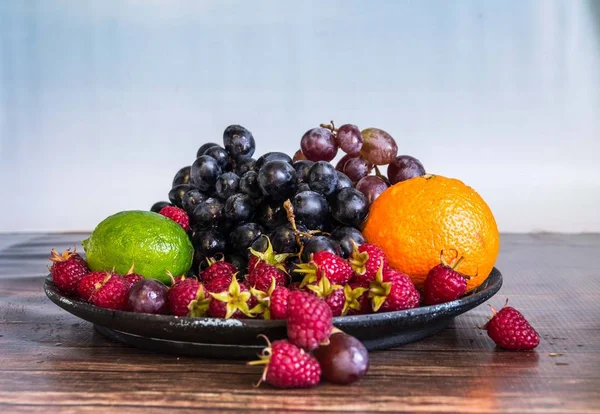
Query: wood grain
{"points": [[53, 362]]}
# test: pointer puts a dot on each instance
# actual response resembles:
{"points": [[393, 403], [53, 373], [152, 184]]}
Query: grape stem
{"points": [[330, 127], [380, 175], [289, 209]]}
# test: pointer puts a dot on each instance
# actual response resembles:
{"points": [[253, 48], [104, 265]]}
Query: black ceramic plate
{"points": [[232, 338]]}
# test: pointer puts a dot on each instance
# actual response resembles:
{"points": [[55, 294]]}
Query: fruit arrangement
{"points": [[297, 239]]}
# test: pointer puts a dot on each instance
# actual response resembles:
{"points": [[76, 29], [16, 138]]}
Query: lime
{"points": [[153, 244]]}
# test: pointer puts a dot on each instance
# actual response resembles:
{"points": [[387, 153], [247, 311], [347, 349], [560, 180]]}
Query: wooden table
{"points": [[52, 361]]}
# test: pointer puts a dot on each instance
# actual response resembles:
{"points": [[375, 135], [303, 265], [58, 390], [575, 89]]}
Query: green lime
{"points": [[153, 244]]}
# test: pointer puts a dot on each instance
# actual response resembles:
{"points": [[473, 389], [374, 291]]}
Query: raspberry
{"points": [[333, 295], [337, 270], [366, 260], [272, 303], [288, 366], [269, 256], [89, 283], [509, 329], [443, 283], [217, 269], [309, 320], [188, 297], [234, 302], [67, 270], [112, 293], [176, 214], [392, 291], [262, 274]]}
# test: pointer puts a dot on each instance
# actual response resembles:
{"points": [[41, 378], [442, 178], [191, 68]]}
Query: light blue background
{"points": [[102, 101]]}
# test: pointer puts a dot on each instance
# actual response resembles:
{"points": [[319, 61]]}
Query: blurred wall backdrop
{"points": [[102, 101]]}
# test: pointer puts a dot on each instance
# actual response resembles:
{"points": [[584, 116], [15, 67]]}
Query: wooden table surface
{"points": [[51, 361]]}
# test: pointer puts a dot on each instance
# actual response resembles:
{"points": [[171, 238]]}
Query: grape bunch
{"points": [[304, 204]]}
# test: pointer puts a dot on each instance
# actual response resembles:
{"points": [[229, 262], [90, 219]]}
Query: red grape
{"points": [[349, 139], [148, 296], [318, 144], [379, 147], [372, 186], [299, 156], [344, 360], [340, 164], [357, 168], [404, 167]]}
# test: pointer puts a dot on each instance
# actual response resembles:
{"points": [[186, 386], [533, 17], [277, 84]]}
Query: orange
{"points": [[414, 220]]}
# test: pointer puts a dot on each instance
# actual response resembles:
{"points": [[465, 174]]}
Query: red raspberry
{"points": [[234, 302], [89, 283], [176, 214], [288, 366], [309, 320], [112, 294], [365, 261], [509, 329], [294, 286], [356, 300], [333, 295], [67, 269], [260, 278], [272, 304], [337, 270], [132, 278], [392, 291], [220, 284], [188, 298], [443, 283], [217, 269]]}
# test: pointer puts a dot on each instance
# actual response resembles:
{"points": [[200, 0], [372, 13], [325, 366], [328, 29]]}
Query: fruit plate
{"points": [[232, 338]]}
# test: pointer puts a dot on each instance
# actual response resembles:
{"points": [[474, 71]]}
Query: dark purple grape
{"points": [[249, 185], [349, 139], [318, 144], [178, 192], [283, 238], [302, 187], [357, 168], [277, 179], [238, 260], [403, 168], [349, 206], [208, 243], [191, 199], [204, 147], [311, 210], [270, 214], [204, 173], [318, 244], [322, 178], [344, 236], [208, 213], [379, 147], [238, 141], [182, 176], [343, 181], [299, 156], [302, 168], [372, 186], [239, 208], [272, 156], [222, 157], [227, 185], [148, 296], [244, 165], [344, 361], [242, 237], [156, 207]]}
